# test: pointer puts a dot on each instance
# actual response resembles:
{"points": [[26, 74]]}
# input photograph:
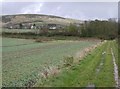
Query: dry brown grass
{"points": [[49, 71]]}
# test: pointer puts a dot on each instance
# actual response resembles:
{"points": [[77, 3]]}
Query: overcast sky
{"points": [[76, 10]]}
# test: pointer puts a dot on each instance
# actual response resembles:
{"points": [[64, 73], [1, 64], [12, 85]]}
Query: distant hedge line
{"points": [[97, 29]]}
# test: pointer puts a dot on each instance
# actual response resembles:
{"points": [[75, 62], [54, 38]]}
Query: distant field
{"points": [[23, 60], [19, 30]]}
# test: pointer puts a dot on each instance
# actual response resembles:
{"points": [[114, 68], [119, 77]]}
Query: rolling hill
{"points": [[36, 18]]}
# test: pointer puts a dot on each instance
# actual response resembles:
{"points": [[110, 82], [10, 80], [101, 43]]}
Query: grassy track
{"points": [[105, 78], [23, 63], [114, 45], [96, 69], [116, 52]]}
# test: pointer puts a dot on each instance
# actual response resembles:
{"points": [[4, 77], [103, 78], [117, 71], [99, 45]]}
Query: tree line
{"points": [[97, 28]]}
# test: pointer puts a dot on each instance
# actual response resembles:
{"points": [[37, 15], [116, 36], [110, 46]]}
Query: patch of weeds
{"points": [[38, 40], [68, 61]]}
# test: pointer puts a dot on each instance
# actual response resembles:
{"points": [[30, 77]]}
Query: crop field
{"points": [[23, 60], [95, 70]]}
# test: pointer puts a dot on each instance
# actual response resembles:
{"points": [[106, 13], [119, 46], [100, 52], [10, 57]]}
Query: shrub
{"points": [[68, 61]]}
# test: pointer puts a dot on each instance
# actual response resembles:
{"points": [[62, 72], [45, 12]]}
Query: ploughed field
{"points": [[24, 60]]}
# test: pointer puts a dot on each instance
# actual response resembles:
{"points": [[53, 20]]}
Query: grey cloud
{"points": [[77, 10]]}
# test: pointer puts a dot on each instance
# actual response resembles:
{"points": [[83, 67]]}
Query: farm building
{"points": [[52, 26]]}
